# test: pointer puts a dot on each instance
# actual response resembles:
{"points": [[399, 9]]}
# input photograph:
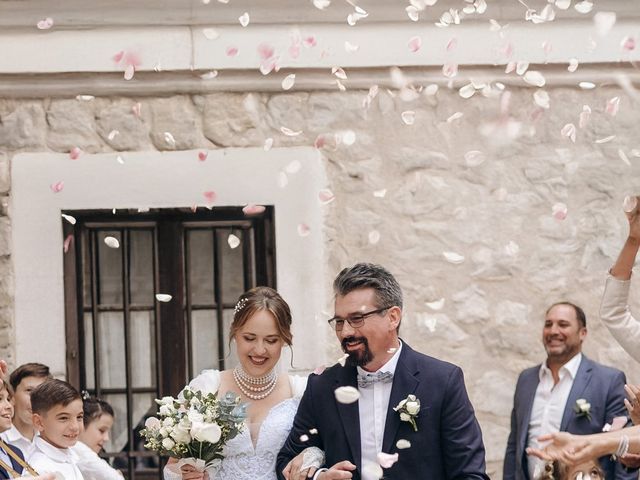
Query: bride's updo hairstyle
{"points": [[263, 298]]}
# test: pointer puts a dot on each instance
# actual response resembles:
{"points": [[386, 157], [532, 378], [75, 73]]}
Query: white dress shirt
{"points": [[92, 466], [46, 458], [372, 407], [549, 405], [15, 438]]}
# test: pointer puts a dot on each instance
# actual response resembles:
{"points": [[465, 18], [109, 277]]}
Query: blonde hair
{"points": [[267, 299]]}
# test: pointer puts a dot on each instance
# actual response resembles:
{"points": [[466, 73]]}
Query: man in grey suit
{"points": [[568, 392]]}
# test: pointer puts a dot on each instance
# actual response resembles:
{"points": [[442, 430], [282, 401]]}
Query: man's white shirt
{"points": [[548, 406], [372, 407], [15, 438], [46, 458]]}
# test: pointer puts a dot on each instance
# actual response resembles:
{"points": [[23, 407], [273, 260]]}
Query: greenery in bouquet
{"points": [[195, 424]]}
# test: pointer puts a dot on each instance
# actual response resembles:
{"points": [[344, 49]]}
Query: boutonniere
{"points": [[582, 408], [408, 410]]}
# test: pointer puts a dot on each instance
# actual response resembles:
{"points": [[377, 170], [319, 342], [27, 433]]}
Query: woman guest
{"points": [[261, 328], [98, 420]]}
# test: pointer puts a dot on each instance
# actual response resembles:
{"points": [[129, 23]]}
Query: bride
{"points": [[261, 327]]}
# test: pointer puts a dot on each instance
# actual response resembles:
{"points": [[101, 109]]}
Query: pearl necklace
{"points": [[255, 388]]}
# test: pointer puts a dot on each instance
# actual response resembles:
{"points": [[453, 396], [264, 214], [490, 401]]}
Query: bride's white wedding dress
{"points": [[242, 460]]}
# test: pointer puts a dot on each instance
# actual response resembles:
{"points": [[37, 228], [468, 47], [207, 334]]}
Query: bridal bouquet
{"points": [[195, 427]]}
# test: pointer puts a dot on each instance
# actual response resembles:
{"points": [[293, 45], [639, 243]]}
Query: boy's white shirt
{"points": [[92, 466], [15, 438], [45, 458]]}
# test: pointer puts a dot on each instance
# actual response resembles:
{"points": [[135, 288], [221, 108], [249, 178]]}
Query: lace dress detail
{"points": [[244, 462]]}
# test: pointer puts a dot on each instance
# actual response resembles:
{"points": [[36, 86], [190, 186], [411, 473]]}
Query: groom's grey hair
{"points": [[370, 275]]}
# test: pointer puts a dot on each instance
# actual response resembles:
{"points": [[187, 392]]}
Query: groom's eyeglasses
{"points": [[356, 320]]}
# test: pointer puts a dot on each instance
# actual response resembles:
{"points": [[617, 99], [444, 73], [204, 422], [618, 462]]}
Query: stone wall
{"points": [[405, 195]]}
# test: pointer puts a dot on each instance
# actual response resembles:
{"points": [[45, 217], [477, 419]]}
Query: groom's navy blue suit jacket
{"points": [[447, 446], [601, 386]]}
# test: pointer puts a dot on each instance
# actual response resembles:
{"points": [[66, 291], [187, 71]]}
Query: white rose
{"points": [[581, 401], [585, 407], [168, 444], [206, 432], [413, 408], [166, 401], [152, 423], [405, 417], [207, 382], [401, 404], [164, 432], [181, 434], [165, 410], [168, 422], [195, 416]]}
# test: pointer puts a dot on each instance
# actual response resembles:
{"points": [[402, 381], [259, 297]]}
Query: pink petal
{"points": [[453, 43], [269, 65], [450, 70], [613, 105], [137, 109], [210, 196], [57, 187], [319, 370], [294, 50], [628, 44], [67, 243], [202, 156], [252, 209], [304, 230], [118, 56], [319, 142], [584, 116], [415, 43], [75, 153], [231, 51], [569, 131], [559, 211], [618, 422], [386, 460], [309, 42], [132, 58], [326, 196], [265, 51], [45, 24]]}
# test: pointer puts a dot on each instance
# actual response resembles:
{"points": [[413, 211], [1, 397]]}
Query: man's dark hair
{"points": [[580, 315], [369, 275], [52, 393], [28, 370]]}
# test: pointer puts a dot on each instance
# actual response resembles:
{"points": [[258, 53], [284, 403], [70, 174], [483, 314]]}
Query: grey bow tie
{"points": [[367, 379]]}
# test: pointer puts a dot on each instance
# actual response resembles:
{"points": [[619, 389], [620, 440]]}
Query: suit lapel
{"points": [[527, 394], [405, 382], [349, 413], [583, 377]]}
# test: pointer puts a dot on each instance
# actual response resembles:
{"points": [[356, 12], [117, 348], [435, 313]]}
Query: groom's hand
{"points": [[339, 471]]}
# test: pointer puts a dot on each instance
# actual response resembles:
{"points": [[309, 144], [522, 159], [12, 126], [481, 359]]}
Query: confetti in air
{"points": [[347, 394]]}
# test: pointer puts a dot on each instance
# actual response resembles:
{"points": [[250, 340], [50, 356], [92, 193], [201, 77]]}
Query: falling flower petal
{"points": [[209, 75], [535, 78], [569, 131], [573, 65], [386, 460], [563, 4], [339, 72], [559, 211], [455, 116], [512, 249], [244, 19], [321, 4], [415, 43], [304, 230], [413, 13], [613, 105], [309, 42], [402, 444], [541, 98], [409, 117], [349, 137], [75, 153], [69, 218], [583, 7], [231, 51], [129, 71], [473, 158], [233, 241], [623, 157], [57, 187], [119, 159], [604, 22], [587, 85], [202, 155], [351, 47], [628, 44], [289, 81], [343, 359], [293, 167], [210, 196], [347, 394], [137, 109], [630, 204], [210, 33], [326, 196], [85, 98], [452, 44], [522, 67], [252, 209], [467, 91], [380, 193], [453, 257], [111, 242], [67, 243], [163, 297], [374, 237], [290, 133], [431, 90], [45, 24], [436, 305], [450, 70], [605, 139], [268, 143], [283, 179], [169, 139]]}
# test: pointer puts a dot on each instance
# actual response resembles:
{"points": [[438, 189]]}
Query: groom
{"points": [[444, 443]]}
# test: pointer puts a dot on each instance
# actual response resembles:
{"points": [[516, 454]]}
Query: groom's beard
{"points": [[357, 358]]}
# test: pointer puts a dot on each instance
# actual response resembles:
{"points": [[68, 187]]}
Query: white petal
{"points": [[587, 85], [268, 143], [604, 22], [600, 141], [351, 47], [293, 167], [583, 7], [283, 179], [541, 97], [431, 90], [85, 98], [455, 117], [163, 297], [512, 249], [304, 230], [374, 237], [209, 75], [113, 134], [563, 4], [380, 193], [111, 242], [613, 105], [343, 359], [412, 13], [290, 133], [436, 305], [129, 71], [349, 137], [467, 91], [559, 211], [473, 158], [630, 204], [244, 19], [402, 444], [339, 72], [453, 257], [289, 81], [409, 117], [168, 138], [69, 218], [535, 78], [573, 65], [387, 460], [321, 4], [210, 33], [623, 157], [233, 241], [569, 131], [522, 67]]}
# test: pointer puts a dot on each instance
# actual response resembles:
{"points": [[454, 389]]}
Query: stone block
{"points": [[22, 125], [72, 124], [235, 120], [120, 128], [5, 173], [4, 206], [5, 236], [176, 124], [6, 281]]}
